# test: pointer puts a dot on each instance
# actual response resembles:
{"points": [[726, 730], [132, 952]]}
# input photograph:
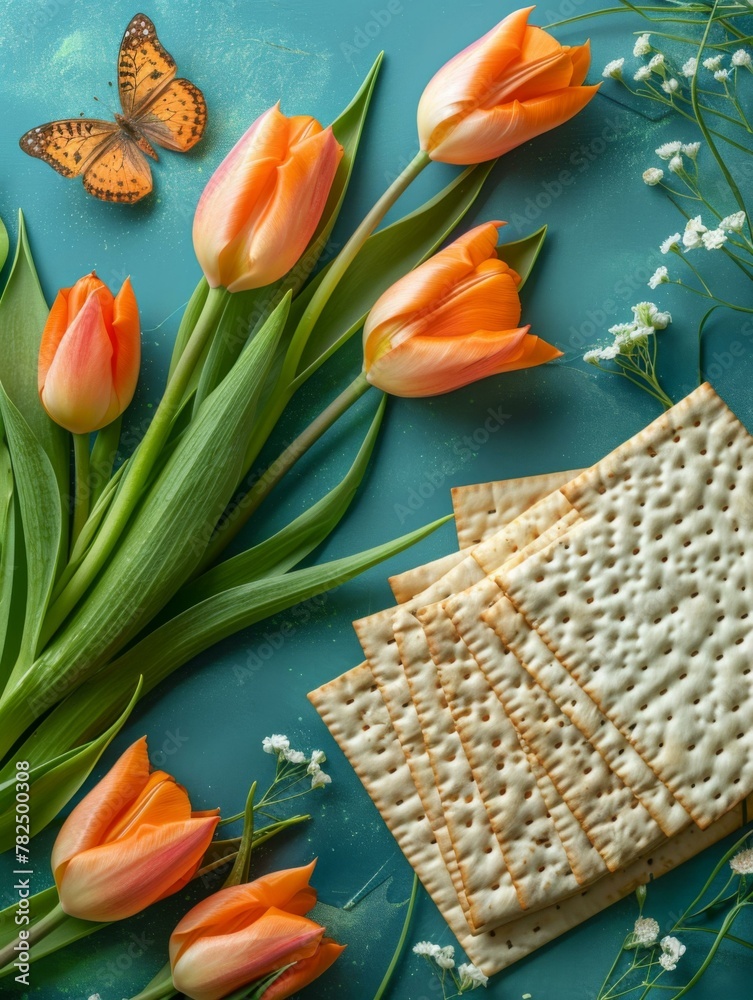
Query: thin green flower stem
{"points": [[648, 386], [264, 485], [736, 847], [697, 273], [44, 926], [714, 931], [667, 103], [715, 900], [139, 468], [384, 985], [345, 258], [83, 488], [721, 935], [614, 966], [160, 987]]}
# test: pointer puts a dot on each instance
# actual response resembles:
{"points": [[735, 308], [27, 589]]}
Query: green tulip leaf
{"points": [[23, 313], [92, 706], [164, 541], [4, 244], [104, 452], [40, 904], [292, 543], [54, 781], [39, 504], [10, 628], [246, 311], [521, 255], [386, 256]]}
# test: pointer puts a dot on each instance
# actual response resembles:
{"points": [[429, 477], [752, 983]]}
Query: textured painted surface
{"points": [[605, 225]]}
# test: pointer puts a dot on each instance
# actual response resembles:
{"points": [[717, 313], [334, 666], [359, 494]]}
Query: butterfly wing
{"points": [[167, 111], [144, 67], [70, 145], [175, 118], [120, 173]]}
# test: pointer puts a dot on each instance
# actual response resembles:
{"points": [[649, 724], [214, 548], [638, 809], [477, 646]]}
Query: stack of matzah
{"points": [[564, 708]]}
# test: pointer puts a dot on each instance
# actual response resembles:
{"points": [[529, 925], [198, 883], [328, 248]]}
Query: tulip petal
{"points": [[162, 800], [53, 333], [305, 971], [216, 965], [77, 390], [418, 291], [464, 82], [126, 343], [237, 906], [484, 135], [430, 366], [115, 880], [581, 57], [88, 823]]}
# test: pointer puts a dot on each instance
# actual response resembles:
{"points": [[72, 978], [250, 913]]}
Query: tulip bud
{"points": [[263, 203], [131, 841], [89, 355], [451, 321], [245, 933], [506, 88]]}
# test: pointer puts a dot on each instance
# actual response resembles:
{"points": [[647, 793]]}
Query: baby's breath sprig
{"points": [[633, 349], [462, 979], [724, 896]]}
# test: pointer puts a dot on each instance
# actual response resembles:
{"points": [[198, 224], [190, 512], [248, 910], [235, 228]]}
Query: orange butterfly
{"points": [[157, 108]]}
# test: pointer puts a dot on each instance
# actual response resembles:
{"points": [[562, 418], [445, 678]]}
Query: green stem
{"points": [[39, 930], [343, 261], [160, 987], [139, 467], [264, 485], [384, 985], [81, 501]]}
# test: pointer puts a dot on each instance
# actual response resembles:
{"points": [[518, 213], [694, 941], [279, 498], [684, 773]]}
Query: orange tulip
{"points": [[245, 933], [506, 88], [264, 201], [451, 321], [131, 841], [90, 354]]}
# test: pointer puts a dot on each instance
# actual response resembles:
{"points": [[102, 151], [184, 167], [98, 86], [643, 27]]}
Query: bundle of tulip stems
{"points": [[563, 709]]}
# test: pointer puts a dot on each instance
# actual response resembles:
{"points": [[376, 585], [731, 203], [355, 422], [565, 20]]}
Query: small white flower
{"points": [[742, 863], [672, 952], [714, 239], [655, 62], [690, 149], [694, 229], [642, 45], [642, 73], [642, 333], [741, 58], [668, 149], [621, 329], [676, 164], [593, 355], [294, 756], [659, 277], [613, 69], [721, 75], [445, 958], [689, 67], [276, 743], [670, 243], [647, 314], [646, 931], [426, 948], [610, 352], [470, 975], [318, 757], [734, 223], [670, 86], [712, 63], [318, 778], [653, 176]]}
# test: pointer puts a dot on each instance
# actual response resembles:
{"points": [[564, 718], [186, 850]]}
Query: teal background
{"points": [[206, 723]]}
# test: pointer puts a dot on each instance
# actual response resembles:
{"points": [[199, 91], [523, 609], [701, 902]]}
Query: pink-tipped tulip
{"points": [[131, 841], [245, 933], [451, 321], [509, 86], [90, 354], [264, 201]]}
